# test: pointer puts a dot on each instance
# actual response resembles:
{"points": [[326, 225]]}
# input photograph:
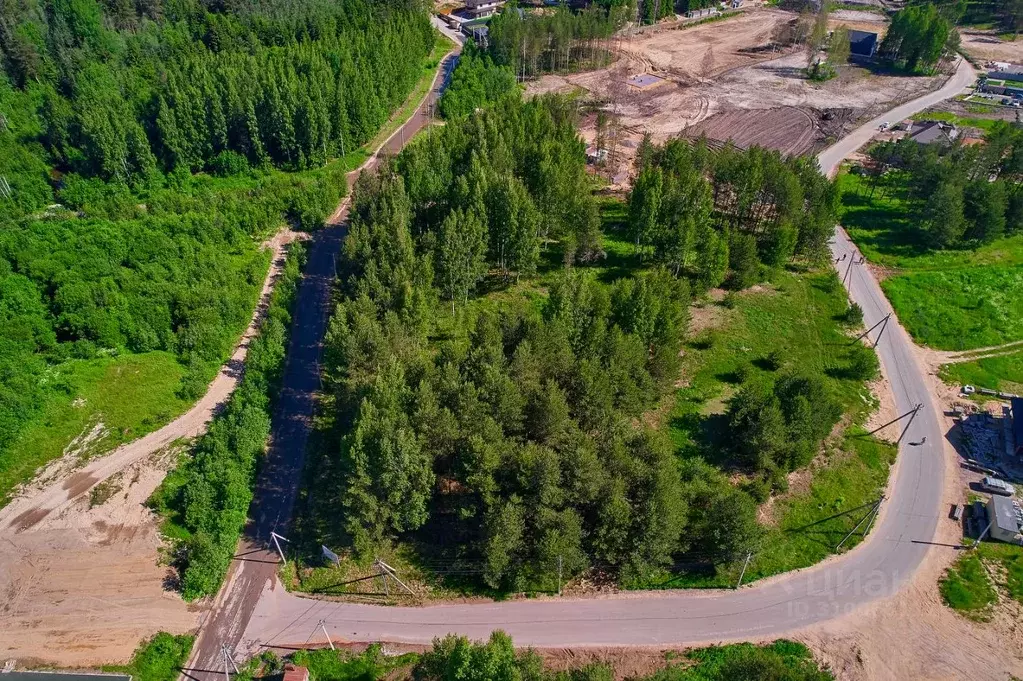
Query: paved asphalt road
{"points": [[875, 569], [255, 563]]}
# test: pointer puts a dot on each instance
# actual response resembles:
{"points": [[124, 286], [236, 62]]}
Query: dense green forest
{"points": [[507, 432], [965, 195], [1004, 15], [108, 242]]}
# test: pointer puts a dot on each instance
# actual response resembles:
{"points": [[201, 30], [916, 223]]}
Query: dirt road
{"points": [[256, 563]]}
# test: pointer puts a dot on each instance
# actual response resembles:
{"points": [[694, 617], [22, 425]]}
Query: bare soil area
{"points": [[986, 45], [729, 81], [86, 587]]}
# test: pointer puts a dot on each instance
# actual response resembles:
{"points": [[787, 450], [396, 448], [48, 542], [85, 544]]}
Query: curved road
{"points": [[875, 569]]}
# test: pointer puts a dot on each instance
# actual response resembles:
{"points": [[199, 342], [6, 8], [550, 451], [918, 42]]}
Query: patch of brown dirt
{"points": [[79, 483], [789, 130], [986, 45]]}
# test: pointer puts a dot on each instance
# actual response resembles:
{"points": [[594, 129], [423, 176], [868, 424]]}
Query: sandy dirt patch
{"points": [[986, 45], [730, 77], [790, 130], [86, 587]]}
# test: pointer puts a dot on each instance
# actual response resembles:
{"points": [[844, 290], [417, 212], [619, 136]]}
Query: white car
{"points": [[884, 126], [996, 486]]}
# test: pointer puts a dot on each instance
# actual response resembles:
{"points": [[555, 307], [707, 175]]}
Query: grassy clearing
{"points": [[972, 584], [794, 321], [1004, 373], [158, 659], [950, 299], [967, 588], [962, 121], [115, 399]]}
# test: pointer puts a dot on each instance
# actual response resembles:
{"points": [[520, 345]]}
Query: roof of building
{"points": [[929, 132], [1003, 514], [862, 42]]}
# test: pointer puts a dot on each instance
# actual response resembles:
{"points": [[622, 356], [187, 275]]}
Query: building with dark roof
{"points": [[862, 43], [932, 132], [482, 8]]}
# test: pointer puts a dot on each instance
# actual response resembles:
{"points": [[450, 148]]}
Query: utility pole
{"points": [[981, 537], [228, 660], [894, 420], [389, 571], [870, 523], [559, 575], [906, 429], [323, 626], [884, 326], [744, 566], [277, 539], [862, 520]]}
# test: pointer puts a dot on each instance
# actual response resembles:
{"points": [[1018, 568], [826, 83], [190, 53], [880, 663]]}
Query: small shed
{"points": [[862, 43], [1004, 521]]}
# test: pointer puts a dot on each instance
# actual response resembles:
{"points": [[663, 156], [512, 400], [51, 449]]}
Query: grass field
{"points": [[1004, 373], [972, 584], [115, 399], [794, 320], [948, 299]]}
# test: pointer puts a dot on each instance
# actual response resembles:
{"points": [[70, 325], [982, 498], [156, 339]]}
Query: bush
{"points": [[228, 163], [863, 364], [853, 315], [158, 659]]}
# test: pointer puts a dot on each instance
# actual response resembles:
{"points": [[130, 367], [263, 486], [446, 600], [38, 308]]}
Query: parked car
{"points": [[996, 486]]}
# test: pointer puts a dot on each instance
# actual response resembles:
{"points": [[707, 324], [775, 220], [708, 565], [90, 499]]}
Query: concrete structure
{"points": [[482, 8], [1004, 518], [862, 43]]}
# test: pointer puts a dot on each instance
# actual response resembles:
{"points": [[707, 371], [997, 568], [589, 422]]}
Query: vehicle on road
{"points": [[993, 485]]}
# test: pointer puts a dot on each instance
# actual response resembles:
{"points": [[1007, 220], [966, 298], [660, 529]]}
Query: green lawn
{"points": [[967, 588], [1004, 373], [794, 318], [972, 584], [115, 399], [952, 299]]}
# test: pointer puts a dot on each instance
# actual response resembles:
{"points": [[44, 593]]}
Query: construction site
{"points": [[731, 79]]}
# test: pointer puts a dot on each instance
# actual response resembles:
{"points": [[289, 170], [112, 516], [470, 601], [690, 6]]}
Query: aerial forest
{"points": [[145, 151], [490, 393]]}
